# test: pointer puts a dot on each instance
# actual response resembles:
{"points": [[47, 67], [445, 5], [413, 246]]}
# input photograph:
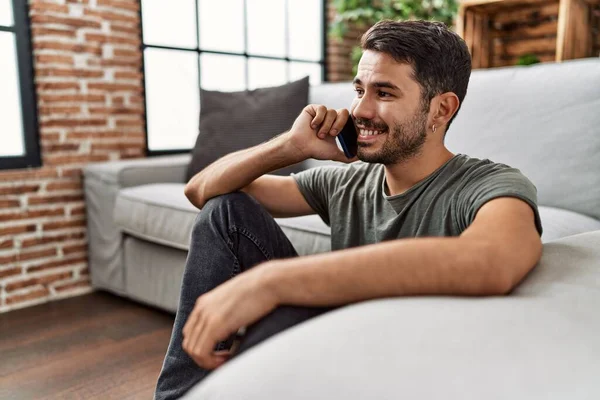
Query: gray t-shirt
{"points": [[353, 201]]}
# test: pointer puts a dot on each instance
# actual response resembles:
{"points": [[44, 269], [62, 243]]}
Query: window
{"points": [[19, 146], [225, 45]]}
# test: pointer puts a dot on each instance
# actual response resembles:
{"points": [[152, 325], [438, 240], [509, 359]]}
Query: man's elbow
{"points": [[506, 271], [192, 192]]}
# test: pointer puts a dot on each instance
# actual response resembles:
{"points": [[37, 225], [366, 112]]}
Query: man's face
{"points": [[388, 110]]}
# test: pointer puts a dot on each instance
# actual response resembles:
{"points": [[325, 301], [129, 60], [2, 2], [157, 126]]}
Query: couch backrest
{"points": [[543, 119]]}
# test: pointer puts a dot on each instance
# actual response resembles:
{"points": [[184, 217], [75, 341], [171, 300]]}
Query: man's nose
{"points": [[363, 108]]}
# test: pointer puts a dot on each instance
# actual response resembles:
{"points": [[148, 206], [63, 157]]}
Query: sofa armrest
{"points": [[141, 171], [102, 183]]}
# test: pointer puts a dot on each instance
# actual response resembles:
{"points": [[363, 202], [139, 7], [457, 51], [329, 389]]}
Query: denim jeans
{"points": [[231, 234]]}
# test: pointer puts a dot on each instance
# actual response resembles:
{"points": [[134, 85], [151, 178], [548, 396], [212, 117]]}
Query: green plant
{"points": [[365, 13], [528, 59]]}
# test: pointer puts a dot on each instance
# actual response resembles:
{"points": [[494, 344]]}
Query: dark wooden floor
{"points": [[95, 346]]}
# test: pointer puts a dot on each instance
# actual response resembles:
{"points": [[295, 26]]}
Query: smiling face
{"points": [[388, 110]]}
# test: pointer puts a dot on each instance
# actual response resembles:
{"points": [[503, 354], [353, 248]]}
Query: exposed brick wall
{"points": [[90, 99], [339, 51]]}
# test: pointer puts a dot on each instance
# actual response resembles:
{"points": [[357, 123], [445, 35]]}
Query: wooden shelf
{"points": [[498, 32]]}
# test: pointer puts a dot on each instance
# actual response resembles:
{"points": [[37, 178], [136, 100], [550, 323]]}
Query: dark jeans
{"points": [[231, 234]]}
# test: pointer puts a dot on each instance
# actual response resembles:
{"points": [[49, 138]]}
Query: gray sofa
{"points": [[539, 342]]}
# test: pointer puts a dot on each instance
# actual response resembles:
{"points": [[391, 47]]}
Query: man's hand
{"points": [[224, 310], [314, 132]]}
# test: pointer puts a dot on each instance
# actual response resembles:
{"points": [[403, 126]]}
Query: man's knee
{"points": [[220, 209]]}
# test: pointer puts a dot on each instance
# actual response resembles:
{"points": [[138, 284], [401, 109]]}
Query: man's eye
{"points": [[359, 92], [384, 94]]}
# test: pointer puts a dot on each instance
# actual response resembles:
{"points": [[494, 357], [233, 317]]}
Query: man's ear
{"points": [[445, 106]]}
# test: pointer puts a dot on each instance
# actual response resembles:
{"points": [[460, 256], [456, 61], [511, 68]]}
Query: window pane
{"points": [[6, 13], [172, 98], [11, 139], [306, 29], [223, 73], [299, 70], [266, 27], [262, 73], [170, 23], [214, 33]]}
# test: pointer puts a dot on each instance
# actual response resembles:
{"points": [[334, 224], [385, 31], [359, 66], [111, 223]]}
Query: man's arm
{"points": [[245, 170], [490, 258]]}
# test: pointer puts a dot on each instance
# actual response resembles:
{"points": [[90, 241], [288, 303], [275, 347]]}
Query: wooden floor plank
{"points": [[95, 346]]}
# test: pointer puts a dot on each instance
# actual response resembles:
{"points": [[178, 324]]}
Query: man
{"points": [[411, 219]]}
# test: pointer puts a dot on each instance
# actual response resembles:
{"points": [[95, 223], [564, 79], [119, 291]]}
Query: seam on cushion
{"points": [[153, 239], [134, 199]]}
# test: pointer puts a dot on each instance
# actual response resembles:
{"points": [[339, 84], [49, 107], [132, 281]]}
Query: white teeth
{"points": [[366, 132]]}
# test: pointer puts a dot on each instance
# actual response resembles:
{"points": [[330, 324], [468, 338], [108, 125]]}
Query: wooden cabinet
{"points": [[498, 32]]}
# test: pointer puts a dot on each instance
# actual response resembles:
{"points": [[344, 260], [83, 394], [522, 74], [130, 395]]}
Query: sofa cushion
{"points": [[161, 213], [540, 342], [560, 223], [232, 121], [543, 119]]}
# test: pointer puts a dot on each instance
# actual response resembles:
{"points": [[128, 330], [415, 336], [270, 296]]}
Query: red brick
{"points": [[53, 147], [30, 214], [30, 255], [10, 272], [51, 239], [19, 189], [94, 49], [116, 110], [53, 159], [125, 28], [68, 21], [113, 39], [72, 98], [78, 1], [34, 294], [51, 110], [38, 280], [72, 285], [101, 134], [41, 31], [53, 59], [45, 7], [127, 53], [58, 86], [56, 264], [7, 243], [114, 87], [111, 16], [79, 210], [122, 5], [119, 62], [49, 226], [8, 259], [69, 185], [84, 271], [53, 199], [9, 230], [136, 99], [116, 145], [66, 122], [128, 75], [129, 122], [77, 248], [9, 203], [71, 172], [69, 72]]}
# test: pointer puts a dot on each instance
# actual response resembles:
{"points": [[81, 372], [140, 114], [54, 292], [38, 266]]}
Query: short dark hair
{"points": [[440, 58]]}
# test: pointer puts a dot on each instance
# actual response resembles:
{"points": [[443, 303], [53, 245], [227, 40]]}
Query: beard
{"points": [[402, 143]]}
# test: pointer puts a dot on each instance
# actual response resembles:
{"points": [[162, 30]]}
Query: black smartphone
{"points": [[348, 138]]}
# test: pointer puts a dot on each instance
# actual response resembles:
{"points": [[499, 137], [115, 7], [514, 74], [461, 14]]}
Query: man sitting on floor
{"points": [[410, 219]]}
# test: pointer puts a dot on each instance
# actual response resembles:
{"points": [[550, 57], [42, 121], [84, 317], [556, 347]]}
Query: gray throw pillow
{"points": [[232, 121]]}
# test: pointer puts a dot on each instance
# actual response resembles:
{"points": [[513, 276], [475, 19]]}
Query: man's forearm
{"points": [[422, 266], [237, 170]]}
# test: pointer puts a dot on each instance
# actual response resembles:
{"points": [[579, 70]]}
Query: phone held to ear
{"points": [[348, 138]]}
